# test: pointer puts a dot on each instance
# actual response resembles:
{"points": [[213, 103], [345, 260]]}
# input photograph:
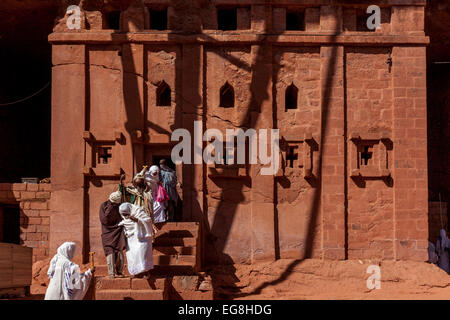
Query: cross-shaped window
{"points": [[291, 156], [366, 155], [104, 153]]}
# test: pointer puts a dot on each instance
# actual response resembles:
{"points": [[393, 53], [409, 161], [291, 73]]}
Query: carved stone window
{"points": [[158, 19], [227, 96], [163, 95], [361, 20], [295, 20], [99, 159], [103, 154], [113, 20], [369, 155], [365, 154], [291, 156], [227, 19], [291, 97], [297, 154]]}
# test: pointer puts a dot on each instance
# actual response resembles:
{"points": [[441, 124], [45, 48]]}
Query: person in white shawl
{"points": [[66, 281], [159, 205], [139, 232]]}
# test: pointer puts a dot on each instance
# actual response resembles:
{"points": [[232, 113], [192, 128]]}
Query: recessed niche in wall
{"points": [[227, 96], [158, 19], [370, 154], [227, 19], [295, 19], [291, 97], [361, 20], [297, 152], [113, 20], [163, 95], [99, 156], [232, 166]]}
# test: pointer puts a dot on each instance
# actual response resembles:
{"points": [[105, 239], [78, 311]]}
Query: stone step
{"points": [[177, 234], [147, 284], [166, 261], [171, 250], [174, 270], [174, 242], [102, 270], [105, 283], [129, 294], [189, 226], [174, 260]]}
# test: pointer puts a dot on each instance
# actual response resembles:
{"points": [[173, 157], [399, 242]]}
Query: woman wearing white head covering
{"points": [[66, 281], [159, 203], [139, 232]]}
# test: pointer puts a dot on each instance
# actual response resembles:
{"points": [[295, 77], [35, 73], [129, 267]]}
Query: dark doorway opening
{"points": [[10, 224], [169, 162]]}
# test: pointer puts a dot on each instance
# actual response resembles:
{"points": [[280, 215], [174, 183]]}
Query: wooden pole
{"points": [[91, 256]]}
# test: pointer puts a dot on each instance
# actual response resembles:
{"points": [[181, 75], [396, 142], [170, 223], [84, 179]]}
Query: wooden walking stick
{"points": [[91, 256]]}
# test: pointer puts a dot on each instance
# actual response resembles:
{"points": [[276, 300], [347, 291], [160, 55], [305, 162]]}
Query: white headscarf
{"points": [[152, 176], [115, 197], [66, 281], [65, 252], [125, 208], [128, 224]]}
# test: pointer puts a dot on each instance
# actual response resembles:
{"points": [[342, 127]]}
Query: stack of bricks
{"points": [[33, 200]]}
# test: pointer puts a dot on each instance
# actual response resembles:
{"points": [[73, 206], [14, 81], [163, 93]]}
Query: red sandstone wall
{"points": [[33, 200], [295, 195], [107, 88], [370, 111]]}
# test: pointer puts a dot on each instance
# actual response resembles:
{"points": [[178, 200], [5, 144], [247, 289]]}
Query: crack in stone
{"points": [[224, 120]]}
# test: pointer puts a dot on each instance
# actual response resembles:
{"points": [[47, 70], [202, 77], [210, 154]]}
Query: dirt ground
{"points": [[312, 279], [317, 279]]}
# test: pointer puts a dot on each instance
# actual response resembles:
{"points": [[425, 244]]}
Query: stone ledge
{"points": [[299, 39]]}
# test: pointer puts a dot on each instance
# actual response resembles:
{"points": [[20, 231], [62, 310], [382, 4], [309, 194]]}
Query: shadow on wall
{"points": [[25, 96], [187, 110], [314, 214]]}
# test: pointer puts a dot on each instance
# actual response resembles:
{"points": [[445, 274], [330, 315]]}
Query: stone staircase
{"points": [[130, 289], [175, 255]]}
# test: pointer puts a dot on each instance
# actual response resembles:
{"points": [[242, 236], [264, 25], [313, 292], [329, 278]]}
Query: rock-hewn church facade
{"points": [[350, 105]]}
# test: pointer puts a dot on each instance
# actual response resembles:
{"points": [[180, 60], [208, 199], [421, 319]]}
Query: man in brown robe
{"points": [[113, 237]]}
